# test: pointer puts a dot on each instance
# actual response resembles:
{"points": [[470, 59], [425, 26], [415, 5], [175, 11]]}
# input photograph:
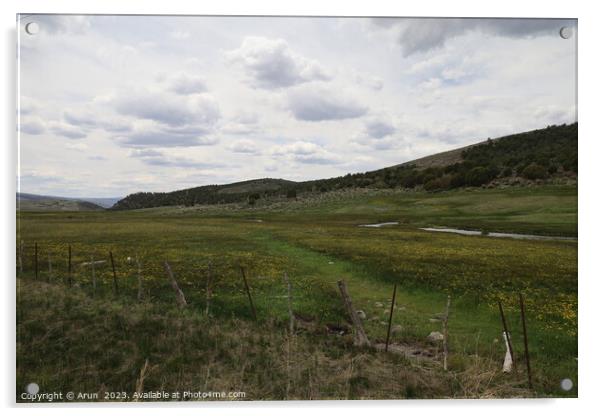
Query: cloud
{"points": [[61, 128], [271, 64], [305, 152], [59, 24], [169, 109], [156, 158], [161, 137], [379, 134], [242, 123], [424, 34], [185, 84], [317, 103], [379, 128], [79, 118], [89, 119], [32, 126], [243, 146]]}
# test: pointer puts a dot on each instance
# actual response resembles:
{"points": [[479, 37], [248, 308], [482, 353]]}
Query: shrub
{"points": [[535, 171], [478, 176]]}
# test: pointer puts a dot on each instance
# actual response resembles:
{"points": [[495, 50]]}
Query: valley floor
{"points": [[106, 339]]}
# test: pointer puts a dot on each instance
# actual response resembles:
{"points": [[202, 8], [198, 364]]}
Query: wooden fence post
{"points": [[446, 332], [390, 317], [244, 278], [36, 259], [291, 315], [506, 331], [524, 321], [361, 339], [179, 294], [115, 288]]}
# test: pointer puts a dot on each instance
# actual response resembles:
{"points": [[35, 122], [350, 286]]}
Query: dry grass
{"points": [[68, 341]]}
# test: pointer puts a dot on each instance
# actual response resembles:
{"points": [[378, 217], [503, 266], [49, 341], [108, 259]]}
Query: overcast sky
{"points": [[111, 105]]}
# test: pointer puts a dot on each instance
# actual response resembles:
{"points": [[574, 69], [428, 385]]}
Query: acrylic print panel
{"points": [[295, 208]]}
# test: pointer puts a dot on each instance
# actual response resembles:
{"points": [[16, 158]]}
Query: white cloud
{"points": [[320, 103], [243, 146], [270, 63], [306, 152]]}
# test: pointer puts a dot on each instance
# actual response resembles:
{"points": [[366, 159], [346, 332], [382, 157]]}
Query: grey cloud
{"points": [[174, 111], [155, 158], [423, 34], [185, 84], [66, 130], [379, 128], [162, 138], [271, 63], [88, 119], [319, 104], [84, 119], [243, 146], [33, 126]]}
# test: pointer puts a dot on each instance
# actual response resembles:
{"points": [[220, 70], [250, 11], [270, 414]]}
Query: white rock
{"points": [[378, 304], [435, 336], [361, 314]]}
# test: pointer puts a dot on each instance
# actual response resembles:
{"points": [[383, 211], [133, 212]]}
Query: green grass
{"points": [[318, 243]]}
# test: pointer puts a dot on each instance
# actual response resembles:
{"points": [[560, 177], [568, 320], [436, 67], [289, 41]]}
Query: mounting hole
{"points": [[566, 32], [32, 28], [32, 388], [566, 384]]}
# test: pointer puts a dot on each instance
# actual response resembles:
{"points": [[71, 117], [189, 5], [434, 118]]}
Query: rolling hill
{"points": [[537, 155], [33, 202]]}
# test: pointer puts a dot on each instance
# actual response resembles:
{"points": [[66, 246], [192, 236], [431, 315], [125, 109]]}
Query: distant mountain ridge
{"points": [[35, 202], [533, 155]]}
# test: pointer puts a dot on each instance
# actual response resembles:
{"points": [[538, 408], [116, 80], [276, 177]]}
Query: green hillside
{"points": [[539, 155]]}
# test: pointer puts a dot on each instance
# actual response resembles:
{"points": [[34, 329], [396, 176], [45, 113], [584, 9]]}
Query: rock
{"points": [[435, 336], [378, 304], [396, 329], [361, 314], [433, 320]]}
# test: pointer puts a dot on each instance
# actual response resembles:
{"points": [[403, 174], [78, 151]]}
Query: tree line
{"points": [[538, 154]]}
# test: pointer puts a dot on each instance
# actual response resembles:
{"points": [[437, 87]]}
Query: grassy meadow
{"points": [[83, 339]]}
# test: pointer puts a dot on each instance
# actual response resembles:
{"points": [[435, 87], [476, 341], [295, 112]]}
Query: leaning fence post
{"points": [[522, 315], [69, 267], [506, 330], [390, 317], [361, 339], [291, 315], [244, 278], [115, 288], [179, 294], [36, 259], [139, 278], [446, 332]]}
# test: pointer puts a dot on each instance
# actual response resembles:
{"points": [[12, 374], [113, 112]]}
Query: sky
{"points": [[112, 105]]}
